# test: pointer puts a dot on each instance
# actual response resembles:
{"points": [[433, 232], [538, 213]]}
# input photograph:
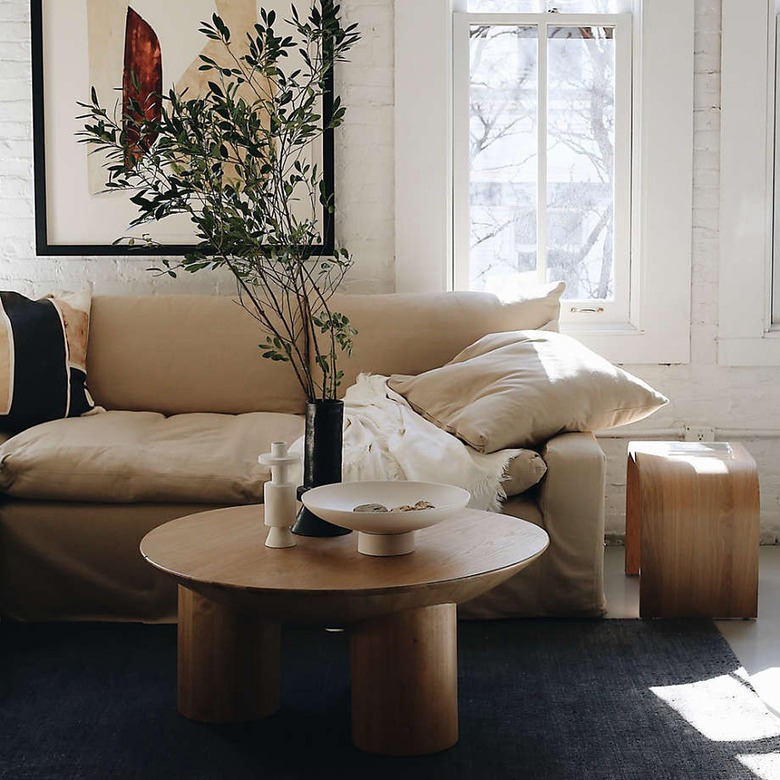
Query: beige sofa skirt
{"points": [[81, 561]]}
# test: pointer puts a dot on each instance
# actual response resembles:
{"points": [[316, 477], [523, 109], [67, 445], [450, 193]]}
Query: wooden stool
{"points": [[692, 516]]}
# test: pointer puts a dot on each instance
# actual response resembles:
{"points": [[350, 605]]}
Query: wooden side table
{"points": [[692, 526]]}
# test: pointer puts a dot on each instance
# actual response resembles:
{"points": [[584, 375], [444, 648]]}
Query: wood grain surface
{"points": [[401, 610], [409, 662], [694, 531], [222, 555], [228, 662]]}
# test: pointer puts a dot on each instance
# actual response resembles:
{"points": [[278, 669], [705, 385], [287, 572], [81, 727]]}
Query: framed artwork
{"points": [[80, 44]]}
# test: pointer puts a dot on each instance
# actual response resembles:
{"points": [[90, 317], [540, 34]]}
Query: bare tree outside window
{"points": [[541, 188], [580, 159], [503, 153]]}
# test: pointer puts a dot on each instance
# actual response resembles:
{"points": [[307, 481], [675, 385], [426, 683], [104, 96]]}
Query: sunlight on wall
{"points": [[723, 709]]}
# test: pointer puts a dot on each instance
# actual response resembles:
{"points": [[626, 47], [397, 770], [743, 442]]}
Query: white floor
{"points": [[756, 643]]}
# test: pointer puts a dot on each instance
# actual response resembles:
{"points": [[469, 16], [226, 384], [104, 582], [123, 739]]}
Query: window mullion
{"points": [[461, 156], [541, 122], [622, 195]]}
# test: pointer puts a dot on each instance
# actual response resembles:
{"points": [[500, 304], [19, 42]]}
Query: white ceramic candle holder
{"points": [[279, 496]]}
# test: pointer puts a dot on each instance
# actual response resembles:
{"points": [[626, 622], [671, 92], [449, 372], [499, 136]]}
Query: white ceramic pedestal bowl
{"points": [[384, 533]]}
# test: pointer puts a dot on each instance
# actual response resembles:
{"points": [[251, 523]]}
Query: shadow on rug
{"points": [[537, 699]]}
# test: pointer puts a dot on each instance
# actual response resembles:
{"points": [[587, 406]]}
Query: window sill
{"points": [[759, 351]]}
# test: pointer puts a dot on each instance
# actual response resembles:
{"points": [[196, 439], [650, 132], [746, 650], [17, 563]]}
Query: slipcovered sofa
{"points": [[190, 405]]}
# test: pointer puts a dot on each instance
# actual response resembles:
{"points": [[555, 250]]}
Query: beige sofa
{"points": [[190, 405]]}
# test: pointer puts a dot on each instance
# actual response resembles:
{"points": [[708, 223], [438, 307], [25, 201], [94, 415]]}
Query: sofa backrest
{"points": [[408, 333], [183, 353], [199, 353]]}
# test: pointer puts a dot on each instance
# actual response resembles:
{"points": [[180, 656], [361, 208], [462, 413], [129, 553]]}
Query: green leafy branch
{"points": [[236, 159]]}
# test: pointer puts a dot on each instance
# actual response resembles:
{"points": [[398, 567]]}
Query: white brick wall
{"points": [[733, 400]]}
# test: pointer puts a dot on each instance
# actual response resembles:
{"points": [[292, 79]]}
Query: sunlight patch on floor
{"points": [[723, 709], [768, 680], [765, 766]]}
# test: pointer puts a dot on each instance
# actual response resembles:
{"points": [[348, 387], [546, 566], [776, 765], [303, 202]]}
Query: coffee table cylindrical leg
{"points": [[228, 662], [405, 682]]}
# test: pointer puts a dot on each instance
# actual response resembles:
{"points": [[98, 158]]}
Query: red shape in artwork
{"points": [[141, 86]]}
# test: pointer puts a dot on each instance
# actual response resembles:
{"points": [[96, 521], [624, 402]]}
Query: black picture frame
{"points": [[48, 199]]}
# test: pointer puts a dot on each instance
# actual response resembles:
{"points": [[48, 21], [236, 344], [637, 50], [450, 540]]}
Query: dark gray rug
{"points": [[538, 699]]}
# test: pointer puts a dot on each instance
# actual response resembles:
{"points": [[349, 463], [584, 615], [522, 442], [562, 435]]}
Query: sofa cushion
{"points": [[520, 389], [408, 333], [184, 353], [43, 358], [120, 457]]}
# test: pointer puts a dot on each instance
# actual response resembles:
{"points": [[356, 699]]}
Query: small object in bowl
{"points": [[414, 507], [370, 508], [391, 532]]}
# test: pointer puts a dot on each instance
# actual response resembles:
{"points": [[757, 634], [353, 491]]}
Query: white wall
{"points": [[737, 402]]}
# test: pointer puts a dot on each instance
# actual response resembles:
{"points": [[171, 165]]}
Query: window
{"points": [[542, 154], [748, 318], [644, 288]]}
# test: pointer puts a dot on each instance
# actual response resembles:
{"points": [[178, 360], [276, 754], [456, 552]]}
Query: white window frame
{"points": [[658, 327], [578, 311], [746, 335]]}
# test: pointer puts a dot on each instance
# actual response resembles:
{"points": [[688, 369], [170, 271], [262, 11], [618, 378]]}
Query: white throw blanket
{"points": [[384, 438]]}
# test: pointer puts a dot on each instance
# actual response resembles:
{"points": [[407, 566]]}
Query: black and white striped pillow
{"points": [[43, 357]]}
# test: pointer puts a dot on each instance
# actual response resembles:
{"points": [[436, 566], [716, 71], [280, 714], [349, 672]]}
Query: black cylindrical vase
{"points": [[323, 442]]}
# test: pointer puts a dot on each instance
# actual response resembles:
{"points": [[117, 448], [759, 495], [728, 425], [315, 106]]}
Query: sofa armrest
{"points": [[572, 502]]}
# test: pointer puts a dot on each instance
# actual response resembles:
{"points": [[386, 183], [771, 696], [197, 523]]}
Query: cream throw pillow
{"points": [[520, 388], [43, 358]]}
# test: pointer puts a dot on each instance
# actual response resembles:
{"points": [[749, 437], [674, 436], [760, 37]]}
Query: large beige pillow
{"points": [[521, 388]]}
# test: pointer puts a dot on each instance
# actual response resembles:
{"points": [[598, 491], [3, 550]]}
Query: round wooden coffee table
{"points": [[234, 592]]}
